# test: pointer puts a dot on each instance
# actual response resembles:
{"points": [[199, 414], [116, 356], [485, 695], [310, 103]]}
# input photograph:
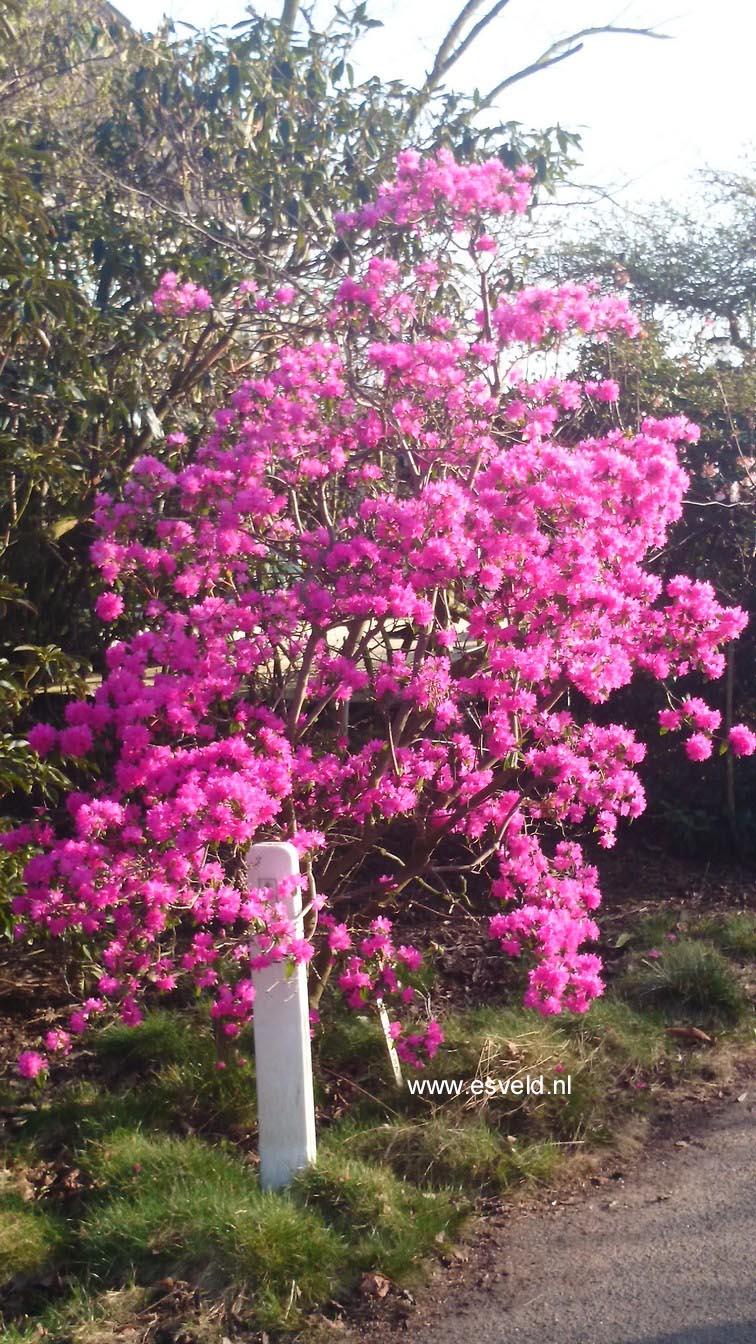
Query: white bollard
{"points": [[283, 1059]]}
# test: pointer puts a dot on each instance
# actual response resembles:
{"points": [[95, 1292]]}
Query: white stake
{"points": [[283, 1059], [390, 1047]]}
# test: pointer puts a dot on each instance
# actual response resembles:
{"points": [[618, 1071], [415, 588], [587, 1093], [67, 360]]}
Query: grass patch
{"points": [[734, 934], [351, 1045], [83, 1318], [438, 1152], [652, 930], [184, 1209], [175, 1055], [30, 1240], [688, 978], [160, 1075], [617, 1036], [163, 1038], [388, 1224], [83, 1112], [468, 1156]]}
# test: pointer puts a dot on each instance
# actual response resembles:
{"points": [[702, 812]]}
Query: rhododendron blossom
{"points": [[31, 1064], [372, 615], [742, 740], [180, 300]]}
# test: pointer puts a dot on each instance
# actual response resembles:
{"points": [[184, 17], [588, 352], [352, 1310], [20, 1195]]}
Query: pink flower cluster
{"points": [[533, 314], [174, 299], [369, 616], [440, 188], [553, 920], [376, 972], [695, 713]]}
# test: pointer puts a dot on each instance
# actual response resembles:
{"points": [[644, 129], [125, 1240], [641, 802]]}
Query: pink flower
{"points": [[76, 741], [58, 1040], [698, 747], [339, 938], [109, 606], [367, 540], [30, 1064], [607, 389], [670, 719], [180, 300], [42, 738], [742, 740]]}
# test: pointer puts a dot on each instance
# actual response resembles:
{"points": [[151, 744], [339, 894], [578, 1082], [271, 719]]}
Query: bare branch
{"points": [[448, 53], [561, 51], [445, 55], [473, 33]]}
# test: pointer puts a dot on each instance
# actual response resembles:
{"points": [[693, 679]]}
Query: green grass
{"points": [[388, 1223], [734, 934], [181, 1208], [83, 1317], [690, 979], [185, 1209], [465, 1154], [30, 1240], [160, 1075], [174, 1057], [652, 930], [442, 1151]]}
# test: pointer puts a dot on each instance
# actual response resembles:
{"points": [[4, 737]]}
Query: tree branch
{"points": [[447, 54], [561, 51], [289, 16]]}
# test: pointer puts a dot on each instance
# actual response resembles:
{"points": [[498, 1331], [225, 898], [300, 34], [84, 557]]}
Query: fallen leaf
{"points": [[374, 1285], [690, 1034]]}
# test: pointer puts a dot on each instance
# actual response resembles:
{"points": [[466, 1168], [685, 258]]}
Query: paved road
{"points": [[666, 1257]]}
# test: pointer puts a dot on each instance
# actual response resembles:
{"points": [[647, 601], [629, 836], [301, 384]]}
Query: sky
{"points": [[651, 113]]}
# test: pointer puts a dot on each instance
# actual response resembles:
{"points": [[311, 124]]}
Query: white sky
{"points": [[650, 112]]}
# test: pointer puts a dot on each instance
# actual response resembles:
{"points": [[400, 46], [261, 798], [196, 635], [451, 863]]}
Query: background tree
{"points": [[691, 273]]}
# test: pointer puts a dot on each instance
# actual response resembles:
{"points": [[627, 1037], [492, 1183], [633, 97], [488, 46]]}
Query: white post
{"points": [[283, 1059]]}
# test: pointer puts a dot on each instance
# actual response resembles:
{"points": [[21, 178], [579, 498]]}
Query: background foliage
{"points": [[219, 155], [690, 272]]}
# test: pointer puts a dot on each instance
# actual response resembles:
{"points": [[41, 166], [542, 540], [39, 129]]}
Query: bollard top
{"points": [[270, 860]]}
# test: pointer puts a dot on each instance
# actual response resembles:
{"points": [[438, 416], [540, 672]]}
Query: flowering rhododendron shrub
{"points": [[372, 614]]}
